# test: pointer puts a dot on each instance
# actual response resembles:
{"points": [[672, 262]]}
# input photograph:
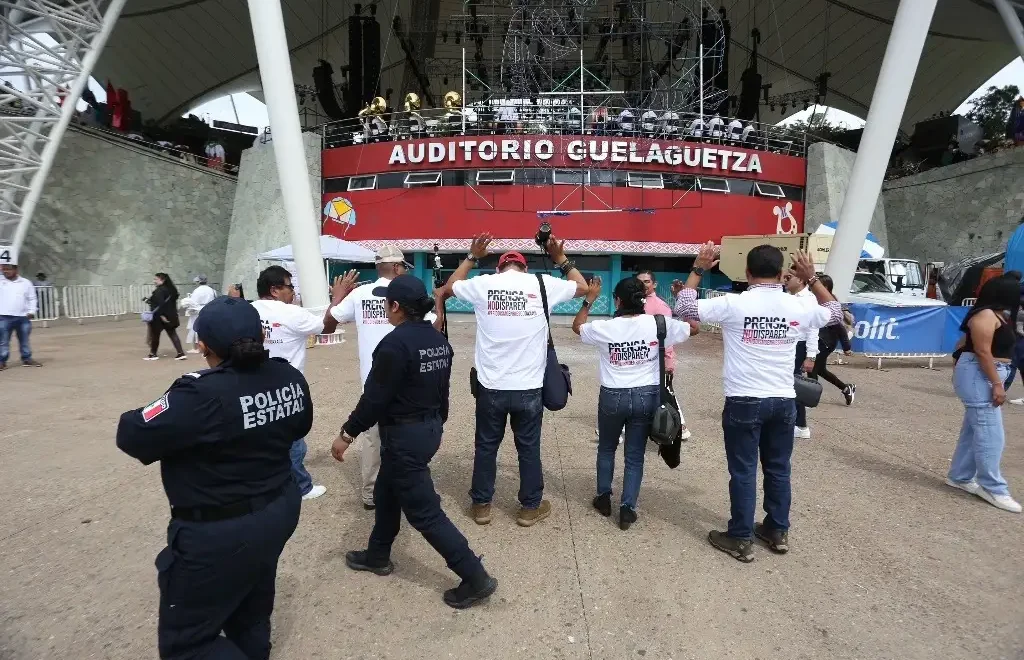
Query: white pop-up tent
{"points": [[332, 248]]}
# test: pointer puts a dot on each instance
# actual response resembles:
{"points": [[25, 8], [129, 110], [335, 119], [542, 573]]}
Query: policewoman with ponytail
{"points": [[629, 373], [222, 436], [406, 397]]}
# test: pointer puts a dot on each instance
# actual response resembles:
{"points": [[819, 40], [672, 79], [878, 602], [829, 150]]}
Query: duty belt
{"points": [[228, 511]]}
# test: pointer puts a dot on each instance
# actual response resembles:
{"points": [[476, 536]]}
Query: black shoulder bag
{"points": [[667, 424], [557, 379]]}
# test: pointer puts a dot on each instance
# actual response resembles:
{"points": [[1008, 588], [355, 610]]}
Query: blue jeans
{"points": [[525, 410], [20, 325], [300, 475], [980, 447], [751, 426], [632, 407]]}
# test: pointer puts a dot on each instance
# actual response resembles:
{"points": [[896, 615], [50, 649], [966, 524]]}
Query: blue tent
{"points": [[1015, 250]]}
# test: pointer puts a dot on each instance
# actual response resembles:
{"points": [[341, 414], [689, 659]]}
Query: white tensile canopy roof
{"points": [[330, 247], [174, 54]]}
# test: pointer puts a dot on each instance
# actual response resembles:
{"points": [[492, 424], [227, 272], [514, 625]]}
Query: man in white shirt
{"points": [[806, 350], [193, 304], [511, 354], [369, 313], [760, 329], [735, 129], [286, 329], [697, 127], [17, 309]]}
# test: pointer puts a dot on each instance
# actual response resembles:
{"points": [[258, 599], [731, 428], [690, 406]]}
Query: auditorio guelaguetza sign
{"points": [[579, 151]]}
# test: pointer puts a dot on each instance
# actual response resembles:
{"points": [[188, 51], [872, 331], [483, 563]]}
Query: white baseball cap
{"points": [[389, 254]]}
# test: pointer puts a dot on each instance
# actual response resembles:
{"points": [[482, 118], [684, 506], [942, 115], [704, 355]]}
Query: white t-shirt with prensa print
{"points": [[511, 331], [760, 329], [628, 348], [286, 328]]}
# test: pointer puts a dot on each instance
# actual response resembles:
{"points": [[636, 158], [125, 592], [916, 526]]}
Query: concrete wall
{"points": [[828, 176], [958, 211], [114, 213], [257, 222]]}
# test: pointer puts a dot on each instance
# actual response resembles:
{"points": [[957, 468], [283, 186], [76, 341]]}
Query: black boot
{"points": [[470, 592], [627, 517], [357, 560], [603, 503]]}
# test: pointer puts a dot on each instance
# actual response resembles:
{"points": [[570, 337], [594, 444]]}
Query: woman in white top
{"points": [[630, 386]]}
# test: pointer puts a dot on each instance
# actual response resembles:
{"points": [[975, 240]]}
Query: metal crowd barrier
{"points": [[48, 305], [90, 301]]}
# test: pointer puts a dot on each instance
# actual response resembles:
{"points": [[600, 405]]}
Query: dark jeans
{"points": [[633, 408], [20, 326], [801, 355], [404, 485], [1017, 365], [156, 326], [821, 370], [219, 577], [753, 426], [525, 410]]}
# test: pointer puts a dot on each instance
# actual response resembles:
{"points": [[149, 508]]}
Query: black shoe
{"points": [[849, 392], [603, 503], [470, 593], [180, 356], [776, 539], [741, 549], [30, 363], [369, 507], [627, 517], [357, 561], [3, 366]]}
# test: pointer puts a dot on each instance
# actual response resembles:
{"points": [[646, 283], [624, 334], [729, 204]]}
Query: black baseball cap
{"points": [[404, 289], [224, 321]]}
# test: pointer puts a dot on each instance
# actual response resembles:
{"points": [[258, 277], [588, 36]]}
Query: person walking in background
{"points": [[630, 379], [830, 337], [41, 280], [982, 365], [806, 350], [163, 303], [286, 329], [760, 329], [18, 306], [193, 304], [655, 305], [511, 354]]}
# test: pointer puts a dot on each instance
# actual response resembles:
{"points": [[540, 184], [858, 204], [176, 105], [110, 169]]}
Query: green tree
{"points": [[820, 130], [991, 111]]}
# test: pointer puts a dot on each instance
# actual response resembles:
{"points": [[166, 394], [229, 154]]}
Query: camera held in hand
{"points": [[543, 234]]}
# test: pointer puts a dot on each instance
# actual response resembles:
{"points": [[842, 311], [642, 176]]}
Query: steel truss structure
{"points": [[47, 51]]}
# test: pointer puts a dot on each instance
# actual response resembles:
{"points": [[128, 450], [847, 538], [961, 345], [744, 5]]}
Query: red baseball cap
{"points": [[514, 257]]}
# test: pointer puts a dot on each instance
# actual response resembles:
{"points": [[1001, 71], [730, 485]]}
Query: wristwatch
{"points": [[586, 303], [698, 271], [472, 257], [345, 437]]}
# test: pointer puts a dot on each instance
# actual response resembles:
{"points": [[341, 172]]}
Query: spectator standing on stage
{"points": [[17, 309], [41, 280], [630, 379], [193, 304], [286, 329], [511, 353], [982, 365], [760, 329], [370, 314], [829, 338], [655, 305], [806, 350], [163, 303]]}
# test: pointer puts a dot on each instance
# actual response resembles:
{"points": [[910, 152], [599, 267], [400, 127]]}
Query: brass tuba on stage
{"points": [[375, 107], [412, 102], [453, 100]]}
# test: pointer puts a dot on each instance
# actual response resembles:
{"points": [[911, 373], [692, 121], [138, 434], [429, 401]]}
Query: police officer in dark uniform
{"points": [[406, 395], [222, 437]]}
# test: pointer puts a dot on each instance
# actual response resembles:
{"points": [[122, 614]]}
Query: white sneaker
{"points": [[1004, 502], [597, 436], [194, 351], [686, 435], [622, 437], [802, 432], [1016, 402], [966, 486], [317, 491]]}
